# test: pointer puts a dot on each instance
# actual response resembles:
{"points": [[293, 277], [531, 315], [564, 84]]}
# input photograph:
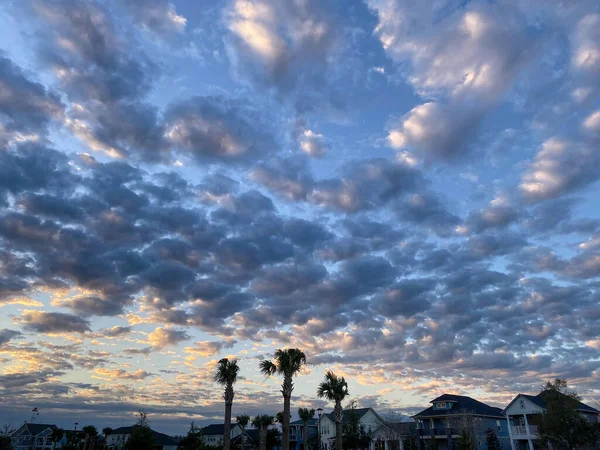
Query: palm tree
{"points": [[288, 363], [56, 436], [243, 423], [335, 389], [91, 433], [226, 375], [305, 415], [262, 422], [106, 431]]}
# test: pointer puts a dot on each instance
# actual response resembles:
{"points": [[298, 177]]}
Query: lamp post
{"points": [[319, 412]]}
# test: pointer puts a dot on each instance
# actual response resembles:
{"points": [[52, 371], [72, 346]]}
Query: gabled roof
{"points": [[159, 438], [542, 397], [35, 428], [215, 429], [462, 404], [347, 414], [252, 436]]}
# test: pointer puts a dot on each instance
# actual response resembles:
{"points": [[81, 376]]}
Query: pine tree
{"points": [[493, 443]]}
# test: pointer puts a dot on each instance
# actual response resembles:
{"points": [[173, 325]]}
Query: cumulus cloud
{"points": [[289, 46], [313, 144], [52, 322], [6, 335], [121, 374], [26, 107], [216, 129], [165, 337], [465, 60], [559, 166]]}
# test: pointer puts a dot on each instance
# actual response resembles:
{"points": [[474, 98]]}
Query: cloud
{"points": [[6, 335], [289, 47], [209, 348], [165, 337], [313, 144], [120, 374], [26, 107], [157, 16], [52, 322], [465, 61], [559, 167], [213, 129]]}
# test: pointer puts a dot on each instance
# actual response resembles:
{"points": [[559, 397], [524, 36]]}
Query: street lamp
{"points": [[319, 412]]}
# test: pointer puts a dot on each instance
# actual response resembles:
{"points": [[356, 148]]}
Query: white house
{"points": [[117, 438], [213, 434], [33, 436], [385, 436], [520, 415]]}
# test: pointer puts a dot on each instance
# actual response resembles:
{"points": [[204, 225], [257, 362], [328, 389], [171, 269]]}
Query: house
{"points": [[521, 415], [369, 420], [450, 414], [117, 438], [213, 434], [391, 435], [251, 441], [34, 436], [297, 433]]}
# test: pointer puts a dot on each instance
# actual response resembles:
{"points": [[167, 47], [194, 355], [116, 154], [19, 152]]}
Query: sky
{"points": [[405, 190]]}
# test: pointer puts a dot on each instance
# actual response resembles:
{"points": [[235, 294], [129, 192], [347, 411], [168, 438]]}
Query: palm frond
{"points": [[267, 368]]}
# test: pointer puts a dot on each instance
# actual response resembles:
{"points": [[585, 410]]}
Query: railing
{"points": [[521, 430]]}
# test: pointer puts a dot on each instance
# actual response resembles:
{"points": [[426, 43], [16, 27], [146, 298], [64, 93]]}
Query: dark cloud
{"points": [[206, 129], [26, 107], [52, 322], [6, 335]]}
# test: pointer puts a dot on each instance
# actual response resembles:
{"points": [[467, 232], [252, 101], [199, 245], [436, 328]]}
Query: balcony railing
{"points": [[521, 430]]}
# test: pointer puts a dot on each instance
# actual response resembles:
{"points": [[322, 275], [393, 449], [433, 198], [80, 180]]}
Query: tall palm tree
{"points": [[263, 422], [335, 389], [91, 433], [56, 436], [226, 375], [288, 363], [242, 421], [305, 415]]}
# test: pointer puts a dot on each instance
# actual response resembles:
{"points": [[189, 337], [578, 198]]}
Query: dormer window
{"points": [[441, 405]]}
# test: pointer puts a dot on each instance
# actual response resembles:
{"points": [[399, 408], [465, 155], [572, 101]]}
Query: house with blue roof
{"points": [[297, 436], [522, 413], [440, 425]]}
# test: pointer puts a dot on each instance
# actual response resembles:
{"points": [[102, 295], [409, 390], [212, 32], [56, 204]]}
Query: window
{"points": [[499, 425], [440, 405], [522, 403], [431, 426]]}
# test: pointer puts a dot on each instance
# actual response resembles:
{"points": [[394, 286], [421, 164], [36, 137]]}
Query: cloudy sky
{"points": [[406, 190]]}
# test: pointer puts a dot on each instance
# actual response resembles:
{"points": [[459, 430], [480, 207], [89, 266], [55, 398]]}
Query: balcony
{"points": [[520, 431]]}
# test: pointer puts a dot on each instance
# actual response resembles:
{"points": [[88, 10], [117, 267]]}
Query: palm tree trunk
{"points": [[305, 435], [286, 389], [263, 438], [337, 412], [228, 396]]}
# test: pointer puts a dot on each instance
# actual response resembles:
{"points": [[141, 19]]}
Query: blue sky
{"points": [[404, 190]]}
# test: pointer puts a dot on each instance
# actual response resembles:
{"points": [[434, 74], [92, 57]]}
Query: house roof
{"points": [[311, 422], [36, 428], [463, 404], [159, 438], [541, 399], [347, 414], [215, 428], [252, 436]]}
